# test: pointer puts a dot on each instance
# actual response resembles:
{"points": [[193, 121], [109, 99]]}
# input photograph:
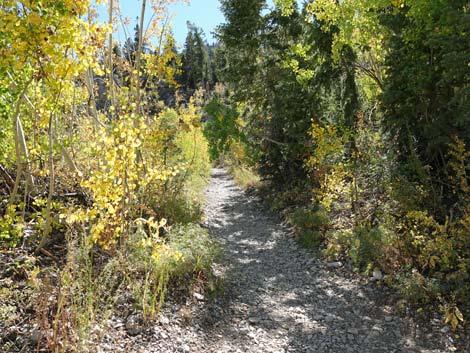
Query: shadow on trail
{"points": [[278, 298]]}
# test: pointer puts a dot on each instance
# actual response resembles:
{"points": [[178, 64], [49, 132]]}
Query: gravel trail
{"points": [[279, 298]]}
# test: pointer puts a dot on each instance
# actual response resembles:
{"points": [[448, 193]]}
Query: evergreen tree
{"points": [[426, 97], [258, 52], [195, 59]]}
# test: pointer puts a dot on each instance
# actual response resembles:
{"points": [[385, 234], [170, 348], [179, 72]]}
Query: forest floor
{"points": [[278, 297]]}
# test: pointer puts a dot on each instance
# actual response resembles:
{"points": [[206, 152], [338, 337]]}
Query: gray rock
{"points": [[353, 331], [253, 320], [445, 329], [198, 296], [133, 326], [377, 275], [35, 335], [185, 348], [336, 264], [330, 318], [377, 328], [163, 320]]}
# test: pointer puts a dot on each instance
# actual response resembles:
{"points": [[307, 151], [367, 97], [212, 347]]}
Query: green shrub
{"points": [[365, 246], [310, 219], [310, 226], [180, 208], [222, 128], [153, 262], [198, 249], [193, 150], [417, 289], [310, 238], [11, 226]]}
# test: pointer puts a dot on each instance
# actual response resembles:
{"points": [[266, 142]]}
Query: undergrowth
{"points": [[424, 257]]}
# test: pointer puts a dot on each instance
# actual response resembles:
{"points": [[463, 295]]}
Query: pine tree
{"points": [[195, 59]]}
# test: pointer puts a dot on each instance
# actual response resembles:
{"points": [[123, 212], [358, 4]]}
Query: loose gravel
{"points": [[277, 297]]}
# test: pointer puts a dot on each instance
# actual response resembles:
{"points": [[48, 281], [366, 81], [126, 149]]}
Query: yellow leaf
{"points": [[447, 318], [458, 314], [454, 322], [34, 18]]}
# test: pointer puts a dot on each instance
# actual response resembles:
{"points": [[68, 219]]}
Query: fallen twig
{"points": [[8, 179], [48, 254]]}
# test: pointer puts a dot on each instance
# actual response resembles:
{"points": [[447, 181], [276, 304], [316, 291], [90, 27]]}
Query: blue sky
{"points": [[203, 13]]}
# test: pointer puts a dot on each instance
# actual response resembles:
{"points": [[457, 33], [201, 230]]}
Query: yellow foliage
{"points": [[358, 25], [327, 144], [119, 172], [57, 44], [11, 226], [459, 167], [326, 163], [165, 63], [441, 245], [115, 164], [452, 316]]}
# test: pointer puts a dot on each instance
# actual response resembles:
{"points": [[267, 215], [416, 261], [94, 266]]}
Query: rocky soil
{"points": [[278, 298]]}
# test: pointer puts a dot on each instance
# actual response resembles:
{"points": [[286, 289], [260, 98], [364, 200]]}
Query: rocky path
{"points": [[277, 297]]}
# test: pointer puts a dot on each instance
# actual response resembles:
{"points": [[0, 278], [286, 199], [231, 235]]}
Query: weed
{"points": [[365, 246], [198, 249], [310, 226], [71, 311], [152, 262]]}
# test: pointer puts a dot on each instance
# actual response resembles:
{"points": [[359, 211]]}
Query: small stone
{"points": [[388, 318], [445, 329], [377, 275], [164, 320], [253, 320], [198, 296], [243, 330], [336, 264], [409, 342], [132, 326], [353, 331], [377, 328], [329, 318], [35, 336], [116, 324]]}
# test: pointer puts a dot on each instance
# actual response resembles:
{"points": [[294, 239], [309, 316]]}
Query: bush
{"points": [[366, 246], [185, 251], [418, 289], [198, 250], [310, 226], [222, 128]]}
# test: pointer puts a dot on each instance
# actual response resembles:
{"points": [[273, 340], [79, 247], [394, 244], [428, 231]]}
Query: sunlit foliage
{"points": [[363, 103]]}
